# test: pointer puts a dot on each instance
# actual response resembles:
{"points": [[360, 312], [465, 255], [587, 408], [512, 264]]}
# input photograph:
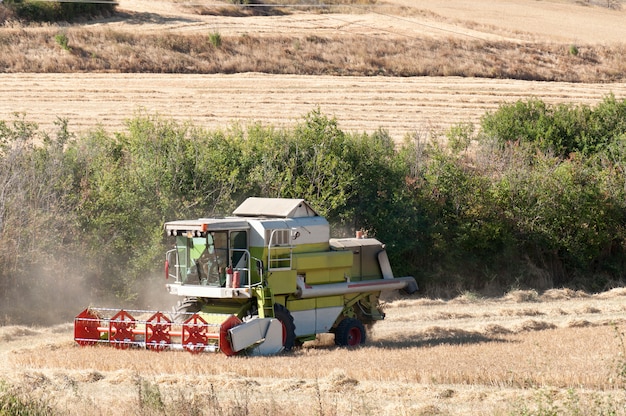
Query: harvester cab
{"points": [[258, 282]]}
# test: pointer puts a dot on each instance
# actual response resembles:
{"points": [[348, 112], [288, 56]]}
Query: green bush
{"points": [[46, 11], [62, 40], [561, 129], [93, 206], [215, 39]]}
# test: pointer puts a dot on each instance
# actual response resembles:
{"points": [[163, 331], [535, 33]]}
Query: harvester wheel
{"points": [[289, 328], [349, 333], [185, 308]]}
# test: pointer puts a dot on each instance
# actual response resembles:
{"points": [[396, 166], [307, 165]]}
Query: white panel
{"points": [[274, 207], [248, 333], [207, 291], [326, 317], [304, 321], [273, 343], [385, 267], [311, 230]]}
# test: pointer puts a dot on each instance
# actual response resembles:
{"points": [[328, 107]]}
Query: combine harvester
{"points": [[259, 282]]}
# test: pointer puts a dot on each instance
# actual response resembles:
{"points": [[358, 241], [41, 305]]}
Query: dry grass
{"points": [[106, 50], [327, 378], [352, 40], [485, 357]]}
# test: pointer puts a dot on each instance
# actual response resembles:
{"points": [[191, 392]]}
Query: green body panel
{"points": [[224, 308], [367, 309], [323, 267], [320, 277], [265, 302], [311, 248], [259, 253], [317, 277], [318, 267]]}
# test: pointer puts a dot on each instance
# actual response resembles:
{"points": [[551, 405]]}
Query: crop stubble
{"points": [[360, 104], [399, 105], [462, 356]]}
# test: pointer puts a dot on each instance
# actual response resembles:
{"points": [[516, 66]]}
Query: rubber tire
{"points": [[185, 307], [350, 333], [284, 316]]}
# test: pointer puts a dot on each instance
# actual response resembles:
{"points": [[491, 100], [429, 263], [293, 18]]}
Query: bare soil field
{"points": [[519, 354]]}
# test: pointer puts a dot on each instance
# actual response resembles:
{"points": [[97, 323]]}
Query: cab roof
{"points": [[204, 225], [275, 208]]}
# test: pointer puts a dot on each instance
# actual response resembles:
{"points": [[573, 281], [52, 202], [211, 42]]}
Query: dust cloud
{"points": [[46, 296]]}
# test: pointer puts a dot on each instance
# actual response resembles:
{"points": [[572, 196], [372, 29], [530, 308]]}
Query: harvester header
{"points": [[260, 281]]}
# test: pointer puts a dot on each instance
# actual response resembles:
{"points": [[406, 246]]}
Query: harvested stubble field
{"points": [[560, 352], [521, 353]]}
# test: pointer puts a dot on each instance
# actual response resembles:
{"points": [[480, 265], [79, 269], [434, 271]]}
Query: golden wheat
{"points": [[484, 356]]}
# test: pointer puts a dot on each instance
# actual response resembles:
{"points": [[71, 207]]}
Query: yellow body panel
{"points": [[320, 277], [300, 305], [329, 301], [283, 281], [317, 277], [322, 260]]}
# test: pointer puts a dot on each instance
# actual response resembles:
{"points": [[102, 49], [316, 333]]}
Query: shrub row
{"points": [[485, 212], [561, 129], [54, 11]]}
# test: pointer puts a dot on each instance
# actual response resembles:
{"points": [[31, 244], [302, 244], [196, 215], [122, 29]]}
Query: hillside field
{"points": [[360, 104], [401, 105]]}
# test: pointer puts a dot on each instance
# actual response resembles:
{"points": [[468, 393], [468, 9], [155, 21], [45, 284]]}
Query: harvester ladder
{"points": [[279, 249], [266, 296]]}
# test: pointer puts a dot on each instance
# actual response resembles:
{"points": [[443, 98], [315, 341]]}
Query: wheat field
{"points": [[467, 355], [360, 104]]}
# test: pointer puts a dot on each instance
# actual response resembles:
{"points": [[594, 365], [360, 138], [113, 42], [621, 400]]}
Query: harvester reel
{"points": [[158, 329], [195, 334], [121, 328]]}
